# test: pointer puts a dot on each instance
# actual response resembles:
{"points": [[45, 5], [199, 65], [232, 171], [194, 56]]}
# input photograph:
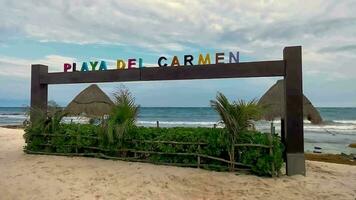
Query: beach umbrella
{"points": [[273, 101], [91, 102]]}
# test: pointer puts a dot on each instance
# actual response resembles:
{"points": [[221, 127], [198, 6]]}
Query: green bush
{"points": [[236, 116], [258, 157], [122, 117], [77, 137], [210, 136]]}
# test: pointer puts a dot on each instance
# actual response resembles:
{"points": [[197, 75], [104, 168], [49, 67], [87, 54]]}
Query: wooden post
{"points": [[283, 139], [272, 127], [293, 90], [135, 154], [39, 91], [157, 124], [198, 164], [76, 144], [270, 142]]}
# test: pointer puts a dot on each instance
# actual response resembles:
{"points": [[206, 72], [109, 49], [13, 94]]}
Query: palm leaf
{"points": [[123, 116]]}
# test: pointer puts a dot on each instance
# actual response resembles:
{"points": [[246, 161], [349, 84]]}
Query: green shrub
{"points": [[122, 117], [258, 157], [236, 116], [193, 135], [76, 137]]}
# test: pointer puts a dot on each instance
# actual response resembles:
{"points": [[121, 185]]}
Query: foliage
{"points": [[53, 107], [123, 116], [236, 117], [210, 136], [42, 123], [118, 136], [63, 139], [79, 138], [259, 158]]}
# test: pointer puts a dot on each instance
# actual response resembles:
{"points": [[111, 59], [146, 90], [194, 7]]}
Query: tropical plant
{"points": [[82, 139], [237, 117], [53, 107], [42, 122], [49, 120], [38, 124], [123, 115]]}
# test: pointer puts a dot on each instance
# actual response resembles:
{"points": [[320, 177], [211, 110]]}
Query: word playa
{"points": [[188, 60]]}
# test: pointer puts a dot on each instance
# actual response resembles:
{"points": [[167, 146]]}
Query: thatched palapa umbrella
{"points": [[91, 102], [273, 101]]}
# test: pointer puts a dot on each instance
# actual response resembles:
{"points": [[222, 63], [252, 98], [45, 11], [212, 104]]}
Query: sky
{"points": [[57, 32]]}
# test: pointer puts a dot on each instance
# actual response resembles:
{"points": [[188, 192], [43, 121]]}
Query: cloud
{"points": [[15, 75], [258, 29], [172, 23], [344, 48], [21, 68]]}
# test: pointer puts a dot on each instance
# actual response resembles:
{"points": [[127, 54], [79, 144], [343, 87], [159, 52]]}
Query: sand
{"points": [[37, 177]]}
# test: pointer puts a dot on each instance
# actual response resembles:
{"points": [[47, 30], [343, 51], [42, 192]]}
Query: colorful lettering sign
{"points": [[175, 61]]}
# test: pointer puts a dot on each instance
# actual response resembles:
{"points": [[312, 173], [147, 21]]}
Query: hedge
{"points": [[86, 138]]}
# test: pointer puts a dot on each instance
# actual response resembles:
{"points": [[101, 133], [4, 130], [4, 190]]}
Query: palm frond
{"points": [[123, 116], [236, 116]]}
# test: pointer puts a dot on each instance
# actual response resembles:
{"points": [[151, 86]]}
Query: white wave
{"points": [[14, 116], [179, 124], [345, 121], [332, 127], [80, 120], [260, 125], [324, 129], [279, 122]]}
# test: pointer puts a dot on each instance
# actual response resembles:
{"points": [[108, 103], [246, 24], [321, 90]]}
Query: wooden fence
{"points": [[101, 152]]}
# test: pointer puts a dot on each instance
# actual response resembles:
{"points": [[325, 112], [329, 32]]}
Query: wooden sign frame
{"points": [[290, 68]]}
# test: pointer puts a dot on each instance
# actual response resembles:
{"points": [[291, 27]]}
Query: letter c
{"points": [[160, 61]]}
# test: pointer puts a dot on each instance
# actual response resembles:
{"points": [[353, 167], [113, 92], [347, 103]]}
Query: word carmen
{"points": [[202, 60]]}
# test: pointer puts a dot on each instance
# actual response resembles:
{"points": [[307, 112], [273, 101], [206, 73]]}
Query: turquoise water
{"points": [[12, 115], [333, 136]]}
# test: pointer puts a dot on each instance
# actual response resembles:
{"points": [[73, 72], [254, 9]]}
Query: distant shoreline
{"points": [[333, 136]]}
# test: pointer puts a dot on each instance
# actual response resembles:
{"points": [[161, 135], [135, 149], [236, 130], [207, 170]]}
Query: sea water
{"points": [[333, 136]]}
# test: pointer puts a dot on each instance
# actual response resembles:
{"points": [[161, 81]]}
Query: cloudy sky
{"points": [[55, 32]]}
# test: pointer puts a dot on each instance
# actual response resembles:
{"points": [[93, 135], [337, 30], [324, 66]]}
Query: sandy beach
{"points": [[53, 177]]}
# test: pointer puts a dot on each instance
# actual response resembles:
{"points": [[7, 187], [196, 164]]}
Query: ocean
{"points": [[333, 136]]}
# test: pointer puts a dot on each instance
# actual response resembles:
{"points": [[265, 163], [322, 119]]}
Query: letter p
{"points": [[67, 67]]}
